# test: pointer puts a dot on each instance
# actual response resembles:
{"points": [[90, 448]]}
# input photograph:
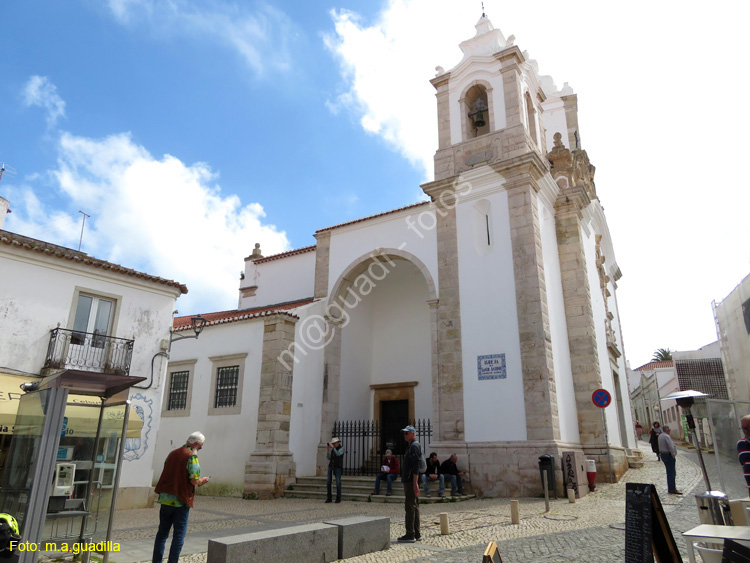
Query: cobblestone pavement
{"points": [[589, 530]]}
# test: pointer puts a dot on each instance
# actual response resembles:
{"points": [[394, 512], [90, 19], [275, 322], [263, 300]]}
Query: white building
{"points": [[490, 310], [63, 309]]}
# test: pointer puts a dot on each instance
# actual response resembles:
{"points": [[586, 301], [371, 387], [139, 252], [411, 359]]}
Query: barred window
{"points": [[226, 386], [178, 391]]}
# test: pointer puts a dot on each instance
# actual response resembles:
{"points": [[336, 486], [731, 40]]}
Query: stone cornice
{"points": [[510, 57], [530, 164], [572, 200], [440, 80]]}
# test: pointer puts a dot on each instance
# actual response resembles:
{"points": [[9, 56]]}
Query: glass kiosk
{"points": [[63, 466]]}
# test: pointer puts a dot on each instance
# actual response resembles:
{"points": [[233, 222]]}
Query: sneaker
{"points": [[441, 495], [427, 495], [328, 500], [338, 500], [461, 494], [389, 493], [418, 537], [407, 539], [375, 493], [675, 492]]}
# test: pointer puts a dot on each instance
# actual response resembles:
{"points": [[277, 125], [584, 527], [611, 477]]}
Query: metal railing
{"points": [[70, 349], [365, 445]]}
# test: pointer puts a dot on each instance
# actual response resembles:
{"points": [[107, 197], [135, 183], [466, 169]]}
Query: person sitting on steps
{"points": [[388, 471], [433, 474]]}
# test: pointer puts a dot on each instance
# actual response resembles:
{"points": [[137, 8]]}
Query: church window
{"points": [[482, 226], [226, 384], [179, 388], [531, 117]]}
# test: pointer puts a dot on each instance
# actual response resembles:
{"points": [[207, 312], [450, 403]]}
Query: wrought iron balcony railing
{"points": [[70, 349]]}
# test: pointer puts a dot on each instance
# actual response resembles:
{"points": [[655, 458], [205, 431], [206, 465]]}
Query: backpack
{"points": [[422, 460]]}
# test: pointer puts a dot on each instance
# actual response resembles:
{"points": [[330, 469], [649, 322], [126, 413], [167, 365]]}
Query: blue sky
{"points": [[191, 130]]}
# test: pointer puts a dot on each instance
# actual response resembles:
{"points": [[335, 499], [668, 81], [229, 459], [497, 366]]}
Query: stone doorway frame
{"points": [[403, 391]]}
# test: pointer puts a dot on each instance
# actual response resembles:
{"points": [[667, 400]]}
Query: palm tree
{"points": [[662, 355]]}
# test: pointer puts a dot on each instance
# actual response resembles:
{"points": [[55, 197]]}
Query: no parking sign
{"points": [[601, 398]]}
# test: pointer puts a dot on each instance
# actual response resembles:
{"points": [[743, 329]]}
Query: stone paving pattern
{"points": [[587, 531]]}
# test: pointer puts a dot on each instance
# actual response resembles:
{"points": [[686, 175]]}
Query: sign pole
{"points": [[601, 398], [609, 452]]}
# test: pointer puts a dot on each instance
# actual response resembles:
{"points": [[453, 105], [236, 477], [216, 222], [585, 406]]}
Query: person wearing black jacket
{"points": [[433, 474], [449, 469], [335, 457]]}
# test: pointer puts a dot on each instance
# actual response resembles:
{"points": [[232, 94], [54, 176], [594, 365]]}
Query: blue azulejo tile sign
{"points": [[491, 367]]}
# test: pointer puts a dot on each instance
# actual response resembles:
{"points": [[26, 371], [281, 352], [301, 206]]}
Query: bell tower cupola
{"points": [[491, 94]]}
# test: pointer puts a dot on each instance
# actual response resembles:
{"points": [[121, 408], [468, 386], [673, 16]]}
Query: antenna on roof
{"points": [[483, 14], [7, 170], [82, 225]]}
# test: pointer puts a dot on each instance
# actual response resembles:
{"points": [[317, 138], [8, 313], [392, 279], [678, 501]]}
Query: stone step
{"points": [[394, 498]]}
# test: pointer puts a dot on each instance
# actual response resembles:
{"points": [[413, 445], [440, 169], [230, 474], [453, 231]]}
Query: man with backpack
{"points": [[414, 464]]}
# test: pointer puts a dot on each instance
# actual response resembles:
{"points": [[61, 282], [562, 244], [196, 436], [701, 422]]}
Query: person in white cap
{"points": [[335, 457]]}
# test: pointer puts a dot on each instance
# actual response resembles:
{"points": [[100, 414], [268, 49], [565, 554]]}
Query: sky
{"points": [[188, 131]]}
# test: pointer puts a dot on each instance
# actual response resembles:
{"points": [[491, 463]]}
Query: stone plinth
{"points": [[362, 534], [311, 543], [268, 474]]}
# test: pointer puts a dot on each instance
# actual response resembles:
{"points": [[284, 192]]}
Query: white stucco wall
{"points": [[388, 341], [493, 408], [230, 438], [460, 82], [307, 394], [286, 279], [566, 399], [37, 294], [735, 341], [411, 231]]}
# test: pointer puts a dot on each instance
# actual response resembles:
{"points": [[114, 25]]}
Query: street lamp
{"points": [[198, 323]]}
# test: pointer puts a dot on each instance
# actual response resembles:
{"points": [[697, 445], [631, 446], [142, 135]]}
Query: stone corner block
{"points": [[362, 534]]}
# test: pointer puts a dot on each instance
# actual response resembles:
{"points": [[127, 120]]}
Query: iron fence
{"points": [[365, 444], [70, 349]]}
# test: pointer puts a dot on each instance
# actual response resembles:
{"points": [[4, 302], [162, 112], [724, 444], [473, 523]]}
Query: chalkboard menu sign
{"points": [[647, 532]]}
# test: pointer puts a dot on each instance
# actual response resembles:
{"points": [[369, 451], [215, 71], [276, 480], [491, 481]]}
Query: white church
{"points": [[488, 314]]}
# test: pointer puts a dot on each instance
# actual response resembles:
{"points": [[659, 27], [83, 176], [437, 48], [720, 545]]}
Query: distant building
{"points": [[61, 309], [490, 311], [649, 383], [732, 316]]}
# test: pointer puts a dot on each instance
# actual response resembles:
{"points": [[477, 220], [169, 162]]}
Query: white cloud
{"points": [[158, 215], [260, 37], [386, 68], [40, 92], [659, 132]]}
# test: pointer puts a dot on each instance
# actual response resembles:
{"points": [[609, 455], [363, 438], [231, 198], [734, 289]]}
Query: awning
{"points": [[81, 420]]}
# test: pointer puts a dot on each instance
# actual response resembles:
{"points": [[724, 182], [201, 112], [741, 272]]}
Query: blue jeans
{"points": [[426, 480], [457, 484], [389, 477], [331, 471], [169, 516], [669, 464]]}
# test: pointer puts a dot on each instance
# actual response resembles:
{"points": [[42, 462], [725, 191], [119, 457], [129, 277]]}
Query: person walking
{"points": [[743, 449], [668, 454], [176, 488], [410, 479], [335, 457], [654, 439]]}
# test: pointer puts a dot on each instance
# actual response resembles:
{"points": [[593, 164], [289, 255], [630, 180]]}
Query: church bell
{"points": [[477, 113]]}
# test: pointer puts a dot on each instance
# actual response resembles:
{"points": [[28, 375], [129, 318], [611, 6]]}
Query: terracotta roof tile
{"points": [[63, 253], [282, 255], [373, 216], [222, 317], [655, 365]]}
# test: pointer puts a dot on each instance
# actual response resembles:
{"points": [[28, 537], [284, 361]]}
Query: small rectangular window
{"points": [[227, 379], [178, 391]]}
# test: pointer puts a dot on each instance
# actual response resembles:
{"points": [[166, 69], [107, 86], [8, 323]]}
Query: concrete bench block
{"points": [[362, 534], [314, 543]]}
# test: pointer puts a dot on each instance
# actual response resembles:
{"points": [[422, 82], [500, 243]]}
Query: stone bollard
{"points": [[571, 496], [444, 525], [515, 517]]}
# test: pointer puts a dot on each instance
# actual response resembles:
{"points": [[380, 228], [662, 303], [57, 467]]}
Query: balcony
{"points": [[84, 351]]}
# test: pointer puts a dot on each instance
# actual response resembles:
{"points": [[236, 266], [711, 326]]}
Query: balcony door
{"points": [[91, 326]]}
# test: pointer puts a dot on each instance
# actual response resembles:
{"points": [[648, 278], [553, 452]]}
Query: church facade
{"points": [[489, 309]]}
